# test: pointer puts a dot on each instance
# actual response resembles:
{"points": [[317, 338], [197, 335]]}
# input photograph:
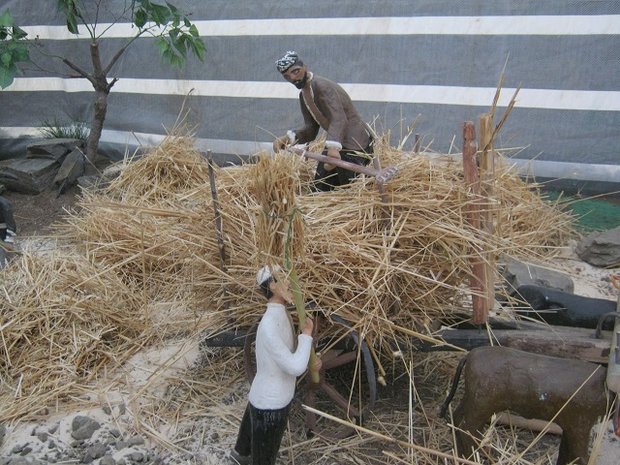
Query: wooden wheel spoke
{"points": [[339, 399], [342, 359]]}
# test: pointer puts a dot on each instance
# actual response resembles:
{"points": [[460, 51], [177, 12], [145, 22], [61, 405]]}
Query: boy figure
{"points": [[278, 364], [325, 104]]}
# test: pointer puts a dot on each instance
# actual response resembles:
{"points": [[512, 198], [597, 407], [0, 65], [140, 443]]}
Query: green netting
{"points": [[593, 213]]}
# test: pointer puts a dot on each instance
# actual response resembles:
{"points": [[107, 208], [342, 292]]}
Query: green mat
{"points": [[592, 213]]}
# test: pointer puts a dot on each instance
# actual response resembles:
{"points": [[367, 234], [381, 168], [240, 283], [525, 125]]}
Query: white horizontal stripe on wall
{"points": [[572, 25], [550, 99]]}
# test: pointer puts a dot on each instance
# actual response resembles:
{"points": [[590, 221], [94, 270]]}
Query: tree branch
{"points": [[79, 70], [119, 53], [111, 84]]}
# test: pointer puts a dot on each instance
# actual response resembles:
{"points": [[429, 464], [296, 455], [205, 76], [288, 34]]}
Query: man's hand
{"points": [[333, 153], [280, 143]]}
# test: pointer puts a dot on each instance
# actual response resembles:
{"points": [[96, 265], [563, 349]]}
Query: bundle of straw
{"points": [[279, 224]]}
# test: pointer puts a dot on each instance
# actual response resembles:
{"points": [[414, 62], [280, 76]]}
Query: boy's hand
{"points": [[307, 327]]}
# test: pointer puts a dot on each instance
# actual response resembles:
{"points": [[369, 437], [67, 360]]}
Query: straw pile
{"points": [[147, 224], [381, 266], [149, 240], [63, 320]]}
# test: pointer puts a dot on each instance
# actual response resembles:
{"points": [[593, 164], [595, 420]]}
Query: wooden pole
{"points": [[218, 221], [470, 170], [216, 212], [487, 179]]}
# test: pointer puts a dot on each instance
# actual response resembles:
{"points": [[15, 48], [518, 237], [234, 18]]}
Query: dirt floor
{"points": [[34, 214]]}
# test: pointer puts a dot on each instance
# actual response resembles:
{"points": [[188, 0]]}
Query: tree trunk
{"points": [[102, 88], [101, 107]]}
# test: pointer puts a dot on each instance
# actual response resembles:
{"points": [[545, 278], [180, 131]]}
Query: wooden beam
{"points": [[556, 341]]}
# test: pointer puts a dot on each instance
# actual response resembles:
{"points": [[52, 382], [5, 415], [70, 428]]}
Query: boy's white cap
{"points": [[266, 272]]}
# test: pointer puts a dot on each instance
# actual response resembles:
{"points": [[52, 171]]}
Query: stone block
{"points": [[29, 175], [517, 274]]}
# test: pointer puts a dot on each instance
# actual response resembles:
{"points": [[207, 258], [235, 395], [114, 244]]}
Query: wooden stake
{"points": [[218, 222], [470, 171], [216, 212], [487, 179]]}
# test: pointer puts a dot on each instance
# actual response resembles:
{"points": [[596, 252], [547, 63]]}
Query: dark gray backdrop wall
{"points": [[430, 61]]}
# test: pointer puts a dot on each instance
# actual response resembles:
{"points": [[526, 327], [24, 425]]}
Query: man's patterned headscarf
{"points": [[289, 59]]}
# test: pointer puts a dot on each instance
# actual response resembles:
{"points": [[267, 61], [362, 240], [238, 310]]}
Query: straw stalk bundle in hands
{"points": [[279, 226]]}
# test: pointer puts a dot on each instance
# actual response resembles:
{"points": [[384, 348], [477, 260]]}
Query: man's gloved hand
{"points": [[280, 143], [334, 153]]}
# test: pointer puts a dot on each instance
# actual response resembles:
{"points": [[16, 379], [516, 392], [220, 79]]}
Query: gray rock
{"points": [[28, 176], [137, 456], [89, 182], [120, 445], [517, 274], [83, 427], [135, 441], [24, 461], [94, 452], [107, 460], [2, 427], [601, 248], [52, 149], [71, 169]]}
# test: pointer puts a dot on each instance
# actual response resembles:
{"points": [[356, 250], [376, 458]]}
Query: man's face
{"points": [[296, 75]]}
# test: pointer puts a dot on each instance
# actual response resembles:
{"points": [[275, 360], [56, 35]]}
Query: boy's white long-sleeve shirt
{"points": [[277, 364]]}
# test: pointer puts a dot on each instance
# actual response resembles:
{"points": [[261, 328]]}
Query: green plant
{"points": [[13, 49], [56, 129]]}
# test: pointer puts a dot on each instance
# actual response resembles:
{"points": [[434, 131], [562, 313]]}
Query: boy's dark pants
{"points": [[260, 434]]}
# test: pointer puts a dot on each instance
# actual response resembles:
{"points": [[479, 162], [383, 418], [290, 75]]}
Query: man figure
{"points": [[7, 221], [277, 366], [8, 228], [325, 104]]}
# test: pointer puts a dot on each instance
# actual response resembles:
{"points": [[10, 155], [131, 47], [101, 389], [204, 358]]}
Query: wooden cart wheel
{"points": [[347, 378]]}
